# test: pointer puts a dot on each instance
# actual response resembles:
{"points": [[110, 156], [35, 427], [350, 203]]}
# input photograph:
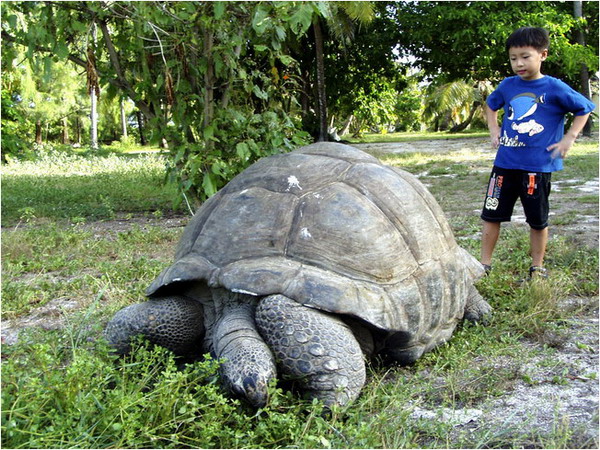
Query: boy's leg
{"points": [[538, 241], [536, 191], [502, 193], [489, 238]]}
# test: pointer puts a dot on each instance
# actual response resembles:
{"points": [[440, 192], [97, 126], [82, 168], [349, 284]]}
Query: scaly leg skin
{"points": [[476, 308], [248, 365], [313, 347], [173, 322]]}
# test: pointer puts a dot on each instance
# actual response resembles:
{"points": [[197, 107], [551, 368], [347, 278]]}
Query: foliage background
{"points": [[224, 83]]}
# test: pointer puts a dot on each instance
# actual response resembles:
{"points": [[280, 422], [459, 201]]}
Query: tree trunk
{"points": [[93, 89], [65, 131], [304, 93], [346, 127], [584, 72], [462, 126], [38, 132], [208, 78], [321, 93], [94, 120], [123, 119], [140, 121], [77, 130]]}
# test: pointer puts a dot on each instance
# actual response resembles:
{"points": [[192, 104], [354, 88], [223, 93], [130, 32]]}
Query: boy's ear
{"points": [[544, 54]]}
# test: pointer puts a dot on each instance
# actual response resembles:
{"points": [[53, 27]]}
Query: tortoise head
{"points": [[248, 370]]}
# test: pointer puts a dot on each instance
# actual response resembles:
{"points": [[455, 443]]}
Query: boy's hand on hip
{"points": [[561, 148], [495, 139]]}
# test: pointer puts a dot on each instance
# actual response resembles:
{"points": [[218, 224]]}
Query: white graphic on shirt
{"points": [[531, 127], [491, 203], [521, 107], [511, 142]]}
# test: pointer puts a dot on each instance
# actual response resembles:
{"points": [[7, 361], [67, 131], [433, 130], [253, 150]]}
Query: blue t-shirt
{"points": [[534, 119]]}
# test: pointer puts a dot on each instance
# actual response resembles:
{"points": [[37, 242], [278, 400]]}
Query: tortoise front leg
{"points": [[314, 348], [248, 365], [173, 322]]}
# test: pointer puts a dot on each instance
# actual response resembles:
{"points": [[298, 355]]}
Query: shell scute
{"points": [[291, 173], [412, 211], [346, 233], [250, 223]]}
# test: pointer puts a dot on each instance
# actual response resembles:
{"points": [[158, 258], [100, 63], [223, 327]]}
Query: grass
{"points": [[63, 388], [50, 261], [80, 188], [411, 136]]}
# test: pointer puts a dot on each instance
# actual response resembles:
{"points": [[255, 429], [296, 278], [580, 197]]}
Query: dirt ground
{"points": [[550, 396]]}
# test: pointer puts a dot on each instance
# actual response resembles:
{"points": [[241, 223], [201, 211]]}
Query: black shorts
{"points": [[507, 185]]}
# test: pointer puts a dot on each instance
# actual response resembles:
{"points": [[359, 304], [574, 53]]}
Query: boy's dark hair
{"points": [[537, 38]]}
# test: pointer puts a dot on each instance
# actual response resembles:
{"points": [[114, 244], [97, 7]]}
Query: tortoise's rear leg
{"points": [[476, 308], [173, 322], [314, 348]]}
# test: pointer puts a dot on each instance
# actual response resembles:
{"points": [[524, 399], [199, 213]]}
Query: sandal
{"points": [[537, 272]]}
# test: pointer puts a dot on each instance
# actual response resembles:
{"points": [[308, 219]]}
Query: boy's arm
{"points": [[492, 122], [561, 148]]}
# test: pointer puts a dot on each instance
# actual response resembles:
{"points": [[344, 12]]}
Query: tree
{"points": [[205, 75], [365, 81], [465, 40], [47, 96], [453, 105], [14, 122], [331, 21]]}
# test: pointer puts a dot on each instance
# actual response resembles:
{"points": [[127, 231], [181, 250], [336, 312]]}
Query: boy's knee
{"points": [[539, 227]]}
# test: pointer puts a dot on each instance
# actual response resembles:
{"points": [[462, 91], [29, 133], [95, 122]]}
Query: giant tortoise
{"points": [[304, 265]]}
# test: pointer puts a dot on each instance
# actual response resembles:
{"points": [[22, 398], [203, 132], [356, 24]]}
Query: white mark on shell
{"points": [[293, 183], [305, 234]]}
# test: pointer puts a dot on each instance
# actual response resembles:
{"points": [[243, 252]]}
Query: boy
{"points": [[530, 143]]}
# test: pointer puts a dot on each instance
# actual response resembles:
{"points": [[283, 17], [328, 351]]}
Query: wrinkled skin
{"points": [[259, 339], [316, 349]]}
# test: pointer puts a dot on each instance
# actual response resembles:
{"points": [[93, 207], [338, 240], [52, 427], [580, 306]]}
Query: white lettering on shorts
{"points": [[491, 203]]}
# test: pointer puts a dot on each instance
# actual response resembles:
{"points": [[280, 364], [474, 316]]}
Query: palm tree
{"points": [[339, 17], [456, 102]]}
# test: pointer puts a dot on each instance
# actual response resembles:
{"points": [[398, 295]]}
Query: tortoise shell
{"points": [[332, 228]]}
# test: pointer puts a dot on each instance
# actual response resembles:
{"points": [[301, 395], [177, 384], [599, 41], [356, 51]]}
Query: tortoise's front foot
{"points": [[173, 322], [314, 348]]}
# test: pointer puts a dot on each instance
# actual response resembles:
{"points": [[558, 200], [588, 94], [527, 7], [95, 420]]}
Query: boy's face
{"points": [[526, 62]]}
